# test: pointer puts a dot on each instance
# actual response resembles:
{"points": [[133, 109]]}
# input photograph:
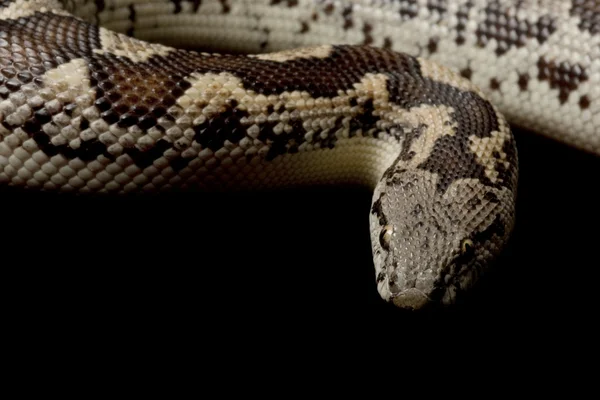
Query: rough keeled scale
{"points": [[90, 110]]}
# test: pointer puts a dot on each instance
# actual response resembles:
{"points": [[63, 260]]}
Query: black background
{"points": [[300, 259]]}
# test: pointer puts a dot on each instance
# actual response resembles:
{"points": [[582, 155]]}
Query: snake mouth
{"points": [[411, 299]]}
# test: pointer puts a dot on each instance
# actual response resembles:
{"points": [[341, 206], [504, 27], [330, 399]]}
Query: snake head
{"points": [[430, 245]]}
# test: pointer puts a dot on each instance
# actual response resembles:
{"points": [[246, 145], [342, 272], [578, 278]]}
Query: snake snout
{"points": [[411, 299]]}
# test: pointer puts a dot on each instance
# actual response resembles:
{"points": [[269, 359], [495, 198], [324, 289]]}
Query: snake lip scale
{"points": [[411, 98]]}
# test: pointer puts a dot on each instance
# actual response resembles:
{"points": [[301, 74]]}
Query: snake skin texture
{"points": [[344, 92], [538, 61]]}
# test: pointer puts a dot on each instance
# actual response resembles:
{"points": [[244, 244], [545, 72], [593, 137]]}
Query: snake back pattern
{"points": [[412, 98]]}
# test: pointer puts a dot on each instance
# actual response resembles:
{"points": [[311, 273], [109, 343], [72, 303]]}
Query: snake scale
{"points": [[412, 98]]}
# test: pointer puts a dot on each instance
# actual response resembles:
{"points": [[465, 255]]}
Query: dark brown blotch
{"points": [[377, 210], [367, 29], [523, 81], [588, 13], [432, 45], [562, 76], [289, 3], [409, 9], [387, 43], [225, 7], [347, 15], [509, 31], [491, 197], [494, 84], [584, 102]]}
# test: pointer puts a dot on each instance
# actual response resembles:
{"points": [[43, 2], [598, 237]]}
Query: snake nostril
{"points": [[394, 288]]}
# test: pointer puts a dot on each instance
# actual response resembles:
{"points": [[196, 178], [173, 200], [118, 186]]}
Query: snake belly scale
{"points": [[86, 109]]}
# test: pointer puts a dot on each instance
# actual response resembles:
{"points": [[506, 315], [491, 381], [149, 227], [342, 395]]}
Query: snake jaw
{"points": [[408, 298], [411, 299], [429, 289], [413, 286]]}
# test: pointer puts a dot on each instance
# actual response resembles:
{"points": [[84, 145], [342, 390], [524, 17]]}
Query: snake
{"points": [[414, 99]]}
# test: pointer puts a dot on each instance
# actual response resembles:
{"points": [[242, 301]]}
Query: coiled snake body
{"points": [[329, 92]]}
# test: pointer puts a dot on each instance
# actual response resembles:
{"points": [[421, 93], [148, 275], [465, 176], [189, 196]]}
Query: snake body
{"points": [[408, 97]]}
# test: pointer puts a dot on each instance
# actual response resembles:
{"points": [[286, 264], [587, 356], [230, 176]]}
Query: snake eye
{"points": [[385, 236], [466, 247]]}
